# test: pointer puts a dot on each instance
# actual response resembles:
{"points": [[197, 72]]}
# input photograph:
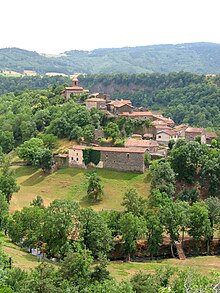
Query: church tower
{"points": [[75, 81]]}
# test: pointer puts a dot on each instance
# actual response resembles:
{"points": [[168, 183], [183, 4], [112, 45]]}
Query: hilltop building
{"points": [[75, 89]]}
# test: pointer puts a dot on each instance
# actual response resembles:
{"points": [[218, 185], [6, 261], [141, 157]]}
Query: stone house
{"points": [[150, 146], [114, 158], [191, 133], [164, 136], [159, 128], [181, 130], [138, 115], [96, 103], [210, 136], [119, 106]]}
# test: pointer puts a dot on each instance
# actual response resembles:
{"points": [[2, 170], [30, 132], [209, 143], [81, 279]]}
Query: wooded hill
{"points": [[192, 57], [185, 97]]}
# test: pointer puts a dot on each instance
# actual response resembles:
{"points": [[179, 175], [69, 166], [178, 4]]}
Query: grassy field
{"points": [[20, 258], [201, 264], [70, 183], [118, 269]]}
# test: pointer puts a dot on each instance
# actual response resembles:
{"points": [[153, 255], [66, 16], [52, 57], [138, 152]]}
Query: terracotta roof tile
{"points": [[110, 149], [194, 130], [95, 100], [140, 143]]}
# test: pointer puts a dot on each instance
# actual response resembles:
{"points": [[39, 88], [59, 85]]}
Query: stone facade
{"points": [[95, 103], [76, 157], [123, 161], [191, 133], [164, 136], [119, 159]]}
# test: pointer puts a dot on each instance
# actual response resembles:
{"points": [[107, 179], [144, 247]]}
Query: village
{"points": [[150, 140]]}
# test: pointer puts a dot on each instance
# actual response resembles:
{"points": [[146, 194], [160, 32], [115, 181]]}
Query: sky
{"points": [[55, 26]]}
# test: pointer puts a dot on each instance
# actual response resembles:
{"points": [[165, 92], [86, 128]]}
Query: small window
{"points": [[159, 136], [128, 155], [77, 159], [72, 158]]}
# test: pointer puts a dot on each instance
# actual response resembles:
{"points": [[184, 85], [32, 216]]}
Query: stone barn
{"points": [[114, 158]]}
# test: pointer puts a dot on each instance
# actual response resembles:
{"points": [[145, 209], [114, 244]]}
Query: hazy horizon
{"points": [[106, 48], [53, 27]]}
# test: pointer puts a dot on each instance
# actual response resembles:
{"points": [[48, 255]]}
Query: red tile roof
{"points": [[135, 114], [148, 135], [119, 102], [211, 134], [109, 149], [169, 132], [194, 130], [74, 88], [62, 156], [95, 100], [141, 143]]}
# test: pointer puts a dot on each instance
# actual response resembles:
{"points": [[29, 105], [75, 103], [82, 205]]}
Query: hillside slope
{"points": [[192, 57]]}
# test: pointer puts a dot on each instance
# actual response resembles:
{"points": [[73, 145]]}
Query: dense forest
{"points": [[185, 97], [199, 58]]}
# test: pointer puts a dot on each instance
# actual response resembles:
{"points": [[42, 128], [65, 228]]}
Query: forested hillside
{"points": [[193, 57], [185, 97]]}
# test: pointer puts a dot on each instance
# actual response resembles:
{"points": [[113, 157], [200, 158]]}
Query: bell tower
{"points": [[75, 81]]}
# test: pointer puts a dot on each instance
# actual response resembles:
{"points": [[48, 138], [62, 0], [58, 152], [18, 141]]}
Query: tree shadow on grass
{"points": [[36, 178], [25, 171], [116, 175]]}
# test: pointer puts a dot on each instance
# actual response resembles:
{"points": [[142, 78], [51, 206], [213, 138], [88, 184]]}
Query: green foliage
{"points": [[86, 156], [30, 149], [34, 153], [88, 133], [147, 159], [111, 130], [189, 195], [200, 225], [163, 178], [134, 203], [95, 189], [8, 185], [61, 227], [49, 140], [4, 211], [91, 156], [132, 227], [95, 156], [38, 202], [142, 282], [171, 143], [76, 268], [186, 157], [95, 233], [154, 231], [119, 142]]}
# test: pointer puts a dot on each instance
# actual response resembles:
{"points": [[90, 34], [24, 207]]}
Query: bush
{"points": [[119, 142]]}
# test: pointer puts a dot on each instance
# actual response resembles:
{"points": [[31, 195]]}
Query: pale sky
{"points": [[55, 26]]}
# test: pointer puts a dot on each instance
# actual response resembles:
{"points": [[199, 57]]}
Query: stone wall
{"points": [[123, 161]]}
